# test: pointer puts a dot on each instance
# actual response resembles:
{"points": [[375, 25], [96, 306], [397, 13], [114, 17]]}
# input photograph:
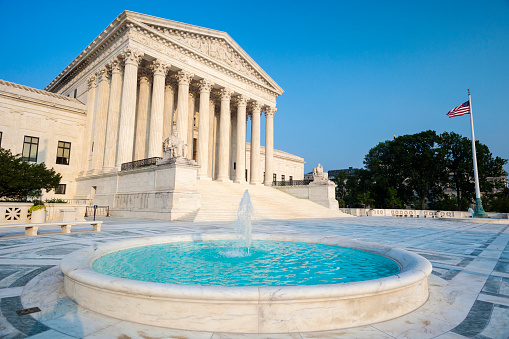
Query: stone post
{"points": [[203, 129], [255, 144], [240, 171], [87, 147], [155, 148], [190, 123], [184, 78], [140, 141], [110, 149], [128, 108], [169, 95], [224, 136], [103, 91], [269, 145], [212, 139]]}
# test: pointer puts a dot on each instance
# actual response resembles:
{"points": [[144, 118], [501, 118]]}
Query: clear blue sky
{"points": [[354, 73]]}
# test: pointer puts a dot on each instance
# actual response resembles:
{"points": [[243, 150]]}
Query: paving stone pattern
{"points": [[469, 285]]}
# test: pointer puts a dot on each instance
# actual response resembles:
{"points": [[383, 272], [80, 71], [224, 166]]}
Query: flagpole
{"points": [[479, 210]]}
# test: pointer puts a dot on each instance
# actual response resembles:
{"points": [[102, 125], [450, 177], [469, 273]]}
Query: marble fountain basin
{"points": [[251, 309]]}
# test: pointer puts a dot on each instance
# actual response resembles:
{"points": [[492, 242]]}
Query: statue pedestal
{"points": [[166, 191], [324, 193]]}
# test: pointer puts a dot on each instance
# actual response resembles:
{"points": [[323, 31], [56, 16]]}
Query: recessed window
{"points": [[30, 148], [63, 153], [75, 93], [274, 177], [290, 178], [1, 133], [282, 177], [60, 189]]}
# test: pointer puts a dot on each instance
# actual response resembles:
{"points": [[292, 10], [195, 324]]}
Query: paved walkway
{"points": [[469, 286]]}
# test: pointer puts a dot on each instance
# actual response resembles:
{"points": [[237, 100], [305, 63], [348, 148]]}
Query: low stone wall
{"points": [[17, 212], [404, 213], [321, 193]]}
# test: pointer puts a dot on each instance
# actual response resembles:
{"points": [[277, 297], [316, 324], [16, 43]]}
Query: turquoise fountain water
{"points": [[244, 262]]}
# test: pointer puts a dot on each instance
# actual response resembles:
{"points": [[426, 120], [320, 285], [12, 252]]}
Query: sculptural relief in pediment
{"points": [[216, 48]]}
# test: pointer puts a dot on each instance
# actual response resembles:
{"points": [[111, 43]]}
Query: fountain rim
{"points": [[77, 267]]}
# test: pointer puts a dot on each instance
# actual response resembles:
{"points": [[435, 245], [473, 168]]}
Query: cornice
{"points": [[39, 102]]}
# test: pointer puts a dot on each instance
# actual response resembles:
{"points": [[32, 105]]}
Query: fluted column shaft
{"points": [[269, 145], [240, 172], [255, 144], [87, 147], [212, 139], [101, 116], [140, 141], [169, 91], [155, 142], [110, 148], [203, 129], [128, 108], [224, 136], [184, 78], [190, 124]]}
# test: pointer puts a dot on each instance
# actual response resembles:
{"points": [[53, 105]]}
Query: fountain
{"points": [[214, 301]]}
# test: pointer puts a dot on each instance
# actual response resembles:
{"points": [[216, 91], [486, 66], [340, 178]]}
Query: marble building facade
{"points": [[144, 77]]}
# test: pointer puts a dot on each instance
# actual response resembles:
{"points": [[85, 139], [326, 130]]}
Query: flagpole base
{"points": [[479, 210]]}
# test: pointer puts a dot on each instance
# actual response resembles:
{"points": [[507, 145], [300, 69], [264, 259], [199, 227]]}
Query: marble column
{"points": [[155, 142], [212, 139], [128, 108], [240, 172], [224, 136], [184, 78], [140, 140], [255, 144], [190, 123], [87, 147], [203, 129], [269, 145], [101, 117], [169, 106], [110, 149]]}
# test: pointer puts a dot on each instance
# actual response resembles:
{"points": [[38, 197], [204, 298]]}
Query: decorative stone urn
{"points": [[39, 216]]}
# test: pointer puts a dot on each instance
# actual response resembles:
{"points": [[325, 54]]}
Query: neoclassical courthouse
{"points": [[139, 80]]}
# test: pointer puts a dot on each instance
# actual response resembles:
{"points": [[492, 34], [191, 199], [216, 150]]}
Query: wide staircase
{"points": [[220, 201]]}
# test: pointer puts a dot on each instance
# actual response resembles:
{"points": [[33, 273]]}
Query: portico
{"points": [[146, 77]]}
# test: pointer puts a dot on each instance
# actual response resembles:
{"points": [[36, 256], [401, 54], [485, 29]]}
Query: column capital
{"points": [[269, 111], [226, 94], [102, 74], [159, 68], [92, 81], [184, 78], [205, 86], [171, 81], [242, 100], [144, 73], [115, 65], [255, 106], [132, 56]]}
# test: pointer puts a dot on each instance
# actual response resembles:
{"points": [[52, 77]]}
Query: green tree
{"points": [[19, 179]]}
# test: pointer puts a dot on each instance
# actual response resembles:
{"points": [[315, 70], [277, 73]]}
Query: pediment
{"points": [[214, 45]]}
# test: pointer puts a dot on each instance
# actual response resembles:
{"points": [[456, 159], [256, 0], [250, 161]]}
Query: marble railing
{"points": [[17, 212]]}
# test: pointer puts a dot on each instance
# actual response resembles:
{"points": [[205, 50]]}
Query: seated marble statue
{"points": [[174, 147], [318, 174]]}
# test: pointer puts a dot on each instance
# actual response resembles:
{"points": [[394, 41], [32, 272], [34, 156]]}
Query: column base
{"points": [[255, 183], [204, 178], [240, 181], [225, 179], [269, 183]]}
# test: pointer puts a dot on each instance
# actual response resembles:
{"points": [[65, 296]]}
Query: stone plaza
{"points": [[469, 285]]}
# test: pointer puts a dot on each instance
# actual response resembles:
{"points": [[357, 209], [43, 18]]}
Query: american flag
{"points": [[459, 110]]}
